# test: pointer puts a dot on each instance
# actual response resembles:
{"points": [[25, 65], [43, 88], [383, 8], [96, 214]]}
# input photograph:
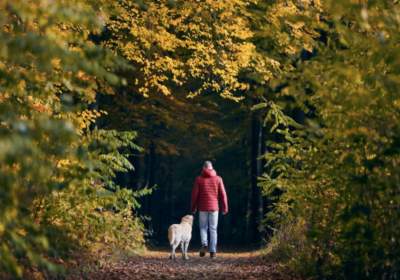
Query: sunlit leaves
{"points": [[336, 173], [199, 45], [50, 73]]}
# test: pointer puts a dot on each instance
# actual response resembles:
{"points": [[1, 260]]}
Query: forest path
{"points": [[227, 265]]}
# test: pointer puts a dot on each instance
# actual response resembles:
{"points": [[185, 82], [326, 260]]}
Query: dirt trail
{"points": [[156, 265]]}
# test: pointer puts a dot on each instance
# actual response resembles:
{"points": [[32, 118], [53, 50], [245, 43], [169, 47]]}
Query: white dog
{"points": [[180, 234]]}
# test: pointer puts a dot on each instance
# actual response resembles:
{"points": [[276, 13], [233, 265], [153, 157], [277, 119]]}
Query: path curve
{"points": [[156, 265]]}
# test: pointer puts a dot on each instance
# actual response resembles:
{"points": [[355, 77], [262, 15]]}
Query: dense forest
{"points": [[108, 110]]}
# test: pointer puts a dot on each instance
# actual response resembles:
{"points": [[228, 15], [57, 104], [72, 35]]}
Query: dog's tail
{"points": [[171, 234]]}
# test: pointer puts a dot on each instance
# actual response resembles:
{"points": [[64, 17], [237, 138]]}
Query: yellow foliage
{"points": [[187, 43]]}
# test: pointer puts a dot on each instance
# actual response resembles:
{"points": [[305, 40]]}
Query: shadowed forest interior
{"points": [[219, 131]]}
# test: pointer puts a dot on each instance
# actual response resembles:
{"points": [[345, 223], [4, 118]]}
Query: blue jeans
{"points": [[208, 220]]}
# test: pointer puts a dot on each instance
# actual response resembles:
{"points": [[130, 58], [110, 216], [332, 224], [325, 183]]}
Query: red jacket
{"points": [[207, 191]]}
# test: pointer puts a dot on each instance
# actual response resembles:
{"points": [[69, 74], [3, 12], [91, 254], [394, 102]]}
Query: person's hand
{"points": [[224, 213]]}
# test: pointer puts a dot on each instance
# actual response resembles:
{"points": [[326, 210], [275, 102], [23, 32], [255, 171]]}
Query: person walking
{"points": [[207, 193]]}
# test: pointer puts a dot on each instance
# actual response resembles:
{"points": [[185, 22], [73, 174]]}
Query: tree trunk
{"points": [[256, 199], [148, 176], [171, 190]]}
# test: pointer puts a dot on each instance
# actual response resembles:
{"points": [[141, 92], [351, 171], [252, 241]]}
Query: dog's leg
{"points": [[172, 252], [183, 250], [174, 245], [186, 249]]}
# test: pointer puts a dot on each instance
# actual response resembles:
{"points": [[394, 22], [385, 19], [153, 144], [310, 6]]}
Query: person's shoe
{"points": [[213, 255], [203, 251]]}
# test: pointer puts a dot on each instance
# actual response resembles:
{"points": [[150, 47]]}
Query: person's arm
{"points": [[223, 197], [195, 195]]}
